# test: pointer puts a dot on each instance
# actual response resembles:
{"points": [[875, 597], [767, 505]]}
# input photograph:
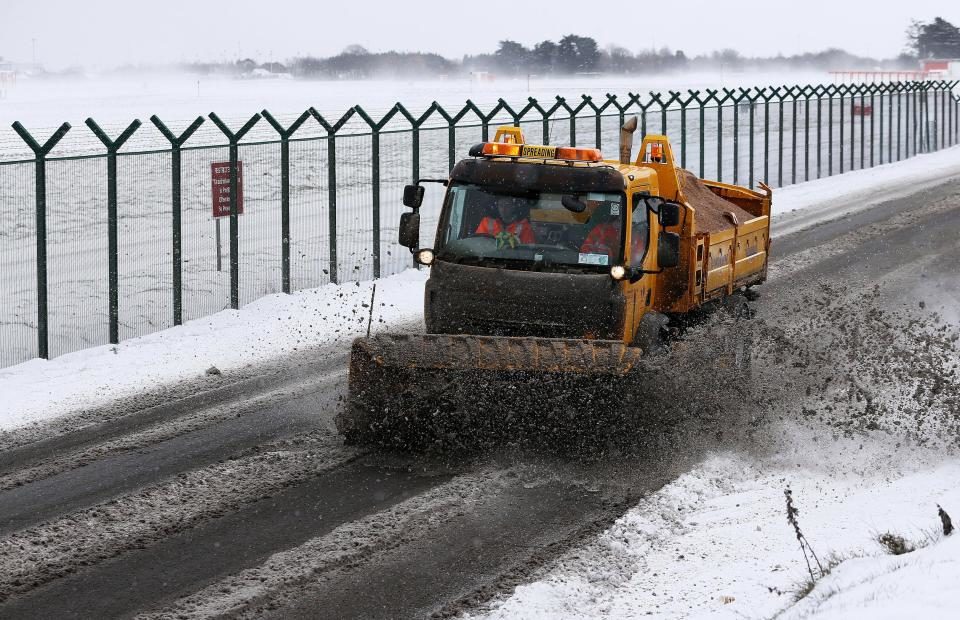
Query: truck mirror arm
{"points": [[636, 273]]}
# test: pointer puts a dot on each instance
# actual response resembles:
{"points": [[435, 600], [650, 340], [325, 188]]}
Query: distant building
{"points": [[942, 69]]}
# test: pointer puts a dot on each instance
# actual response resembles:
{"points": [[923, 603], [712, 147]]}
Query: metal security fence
{"points": [[111, 234]]}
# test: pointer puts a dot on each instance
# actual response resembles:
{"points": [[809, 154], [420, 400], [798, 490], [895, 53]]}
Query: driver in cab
{"points": [[604, 237], [511, 225]]}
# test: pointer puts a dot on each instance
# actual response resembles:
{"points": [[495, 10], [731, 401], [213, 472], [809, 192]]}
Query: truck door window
{"points": [[639, 233]]}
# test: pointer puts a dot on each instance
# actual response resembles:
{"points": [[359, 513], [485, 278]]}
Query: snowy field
{"points": [[77, 187], [115, 101]]}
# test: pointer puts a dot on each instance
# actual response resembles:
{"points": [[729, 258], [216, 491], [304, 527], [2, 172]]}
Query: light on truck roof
{"points": [[503, 149], [536, 151], [569, 152]]}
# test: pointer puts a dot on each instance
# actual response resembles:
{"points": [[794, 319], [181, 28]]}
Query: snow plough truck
{"points": [[553, 272]]}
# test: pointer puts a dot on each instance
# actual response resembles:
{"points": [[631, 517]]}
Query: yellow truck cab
{"points": [[547, 241]]}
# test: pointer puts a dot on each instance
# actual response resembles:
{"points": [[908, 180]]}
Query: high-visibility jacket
{"points": [[520, 229], [603, 239]]}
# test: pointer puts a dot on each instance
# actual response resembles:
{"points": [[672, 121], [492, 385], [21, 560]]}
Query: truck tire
{"points": [[651, 334]]}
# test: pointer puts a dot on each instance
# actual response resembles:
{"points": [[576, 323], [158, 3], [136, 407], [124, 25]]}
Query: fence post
{"points": [[873, 138], [599, 120], [234, 140], [544, 122], [843, 91], [916, 100], [375, 128], [572, 119], [503, 105], [415, 124], [807, 91], [863, 126], [942, 121], [176, 176], [663, 109], [752, 142], [794, 95], [883, 90], [532, 105], [711, 94], [610, 102], [830, 92], [562, 103], [954, 125], [855, 90], [766, 130], [819, 91], [113, 146], [719, 100], [332, 129], [683, 129], [900, 115], [780, 139], [890, 89], [585, 100], [452, 127], [285, 134], [40, 154], [635, 99], [736, 136]]}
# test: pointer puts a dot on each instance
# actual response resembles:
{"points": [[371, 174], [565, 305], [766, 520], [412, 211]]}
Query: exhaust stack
{"points": [[626, 139]]}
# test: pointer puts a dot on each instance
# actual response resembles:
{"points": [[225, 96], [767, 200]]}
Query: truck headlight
{"points": [[425, 257], [618, 272]]}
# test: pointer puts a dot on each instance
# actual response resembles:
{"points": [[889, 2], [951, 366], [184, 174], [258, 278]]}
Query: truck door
{"points": [[640, 293]]}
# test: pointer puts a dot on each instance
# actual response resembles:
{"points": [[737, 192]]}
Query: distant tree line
{"points": [[574, 54], [936, 39], [355, 62]]}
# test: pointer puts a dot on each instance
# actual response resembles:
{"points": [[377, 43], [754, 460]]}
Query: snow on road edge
{"points": [[799, 206], [269, 328], [716, 543]]}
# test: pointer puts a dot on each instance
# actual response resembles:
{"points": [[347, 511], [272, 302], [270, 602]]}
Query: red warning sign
{"points": [[220, 182]]}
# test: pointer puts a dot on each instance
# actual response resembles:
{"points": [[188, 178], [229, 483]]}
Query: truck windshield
{"points": [[532, 229]]}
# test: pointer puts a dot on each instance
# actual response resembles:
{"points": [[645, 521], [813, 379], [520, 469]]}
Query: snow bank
{"points": [[798, 206], [716, 542], [920, 584], [268, 328]]}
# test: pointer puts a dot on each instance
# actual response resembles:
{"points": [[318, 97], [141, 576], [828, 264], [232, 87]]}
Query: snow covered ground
{"points": [[716, 542], [46, 103]]}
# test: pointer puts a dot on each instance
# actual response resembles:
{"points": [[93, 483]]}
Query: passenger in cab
{"points": [[511, 224], [604, 237]]}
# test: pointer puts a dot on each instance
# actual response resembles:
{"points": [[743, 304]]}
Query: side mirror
{"points": [[669, 214], [572, 203], [409, 235], [413, 196], [668, 250]]}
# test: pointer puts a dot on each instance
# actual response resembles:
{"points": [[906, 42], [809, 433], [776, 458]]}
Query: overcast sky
{"points": [[114, 32]]}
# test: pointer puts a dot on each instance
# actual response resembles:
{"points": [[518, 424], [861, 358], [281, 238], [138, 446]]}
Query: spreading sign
{"points": [[220, 182]]}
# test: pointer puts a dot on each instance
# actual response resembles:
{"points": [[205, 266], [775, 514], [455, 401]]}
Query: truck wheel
{"points": [[651, 333]]}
